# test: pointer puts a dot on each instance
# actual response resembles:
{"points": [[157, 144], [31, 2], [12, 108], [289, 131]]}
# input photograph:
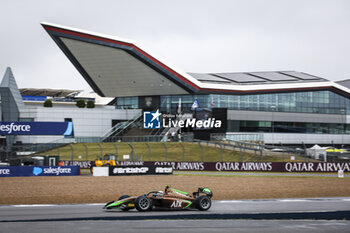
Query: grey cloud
{"points": [[198, 36]]}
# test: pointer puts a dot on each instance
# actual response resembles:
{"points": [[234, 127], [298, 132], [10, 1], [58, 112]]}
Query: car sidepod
{"points": [[175, 203]]}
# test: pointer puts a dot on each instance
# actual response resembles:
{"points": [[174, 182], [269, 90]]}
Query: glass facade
{"points": [[127, 102], [319, 102], [287, 127], [324, 102]]}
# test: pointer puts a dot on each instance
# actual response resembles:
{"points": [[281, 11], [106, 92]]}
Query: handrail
{"points": [[243, 145], [121, 126], [111, 130]]}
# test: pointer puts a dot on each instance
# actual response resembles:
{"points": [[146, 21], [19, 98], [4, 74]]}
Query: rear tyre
{"points": [[143, 203], [203, 203], [124, 207]]}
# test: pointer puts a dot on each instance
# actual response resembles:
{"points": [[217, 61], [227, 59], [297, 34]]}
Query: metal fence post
{"points": [[221, 153], [101, 150], [261, 152], [305, 154], [254, 153], [200, 146], [240, 154], [86, 151], [149, 151], [132, 151], [183, 152], [166, 151], [116, 148], [72, 156]]}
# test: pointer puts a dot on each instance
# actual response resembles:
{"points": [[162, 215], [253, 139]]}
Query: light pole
{"points": [[273, 107]]}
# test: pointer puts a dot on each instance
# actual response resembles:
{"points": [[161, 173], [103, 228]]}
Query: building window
{"points": [[323, 102], [127, 102], [69, 120], [287, 127], [26, 119]]}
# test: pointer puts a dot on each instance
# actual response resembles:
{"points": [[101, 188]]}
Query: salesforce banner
{"points": [[39, 171], [35, 128]]}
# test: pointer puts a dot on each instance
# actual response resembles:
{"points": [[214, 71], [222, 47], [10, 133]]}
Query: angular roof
{"points": [[345, 83], [9, 85], [257, 78], [48, 92], [118, 67]]}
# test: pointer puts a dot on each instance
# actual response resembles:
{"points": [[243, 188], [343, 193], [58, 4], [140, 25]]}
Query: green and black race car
{"points": [[169, 199]]}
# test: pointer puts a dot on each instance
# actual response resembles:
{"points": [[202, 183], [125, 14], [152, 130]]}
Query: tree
{"points": [[81, 103], [90, 104], [48, 103]]}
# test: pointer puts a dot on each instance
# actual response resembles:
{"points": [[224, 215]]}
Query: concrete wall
{"points": [[86, 122]]}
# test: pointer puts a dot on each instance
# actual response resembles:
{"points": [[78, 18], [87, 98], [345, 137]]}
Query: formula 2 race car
{"points": [[169, 199]]}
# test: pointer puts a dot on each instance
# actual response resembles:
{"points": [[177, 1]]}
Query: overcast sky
{"points": [[311, 36]]}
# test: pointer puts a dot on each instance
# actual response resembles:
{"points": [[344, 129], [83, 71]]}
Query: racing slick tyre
{"points": [[143, 203], [124, 207], [203, 203]]}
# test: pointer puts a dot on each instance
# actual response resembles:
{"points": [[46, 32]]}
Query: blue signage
{"points": [[35, 128], [33, 98], [12, 171], [151, 120]]}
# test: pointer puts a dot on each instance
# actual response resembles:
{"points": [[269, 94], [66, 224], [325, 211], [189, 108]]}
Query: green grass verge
{"points": [[156, 152]]}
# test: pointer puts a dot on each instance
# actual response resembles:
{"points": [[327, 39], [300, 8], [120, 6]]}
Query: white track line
{"points": [[38, 205], [50, 205], [293, 200], [286, 200]]}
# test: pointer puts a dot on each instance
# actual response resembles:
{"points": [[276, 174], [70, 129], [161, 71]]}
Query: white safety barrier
{"points": [[100, 171]]}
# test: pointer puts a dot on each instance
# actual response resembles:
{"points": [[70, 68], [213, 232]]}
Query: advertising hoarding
{"points": [[35, 128]]}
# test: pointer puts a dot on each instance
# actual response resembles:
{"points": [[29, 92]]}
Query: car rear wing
{"points": [[205, 191]]}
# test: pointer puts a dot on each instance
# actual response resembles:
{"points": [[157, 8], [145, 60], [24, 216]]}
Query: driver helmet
{"points": [[166, 188]]}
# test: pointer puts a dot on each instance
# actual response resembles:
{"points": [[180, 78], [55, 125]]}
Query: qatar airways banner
{"points": [[256, 166], [233, 166], [35, 128]]}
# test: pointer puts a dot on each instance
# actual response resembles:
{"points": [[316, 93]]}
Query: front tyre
{"points": [[143, 203], [203, 203]]}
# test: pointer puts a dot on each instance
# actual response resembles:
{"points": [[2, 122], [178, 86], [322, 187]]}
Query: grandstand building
{"points": [[286, 107]]}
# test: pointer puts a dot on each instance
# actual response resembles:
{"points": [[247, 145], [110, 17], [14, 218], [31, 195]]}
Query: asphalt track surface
{"points": [[280, 215]]}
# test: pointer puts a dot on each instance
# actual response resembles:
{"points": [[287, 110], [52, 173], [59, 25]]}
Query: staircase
{"points": [[122, 128]]}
